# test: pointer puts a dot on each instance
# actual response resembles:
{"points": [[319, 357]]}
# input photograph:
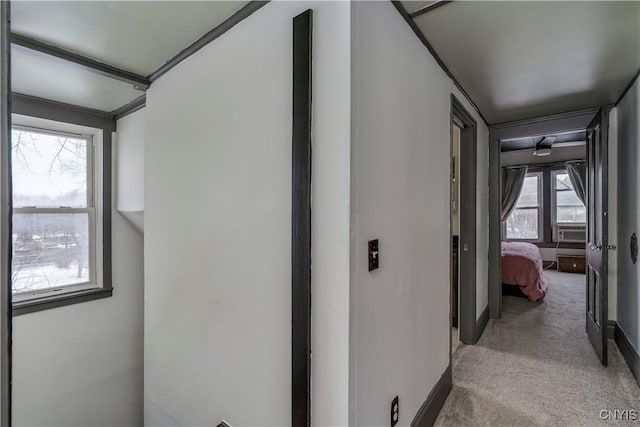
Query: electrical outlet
{"points": [[395, 411], [374, 256]]}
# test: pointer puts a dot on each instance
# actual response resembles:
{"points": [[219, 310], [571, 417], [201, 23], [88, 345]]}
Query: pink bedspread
{"points": [[522, 266]]}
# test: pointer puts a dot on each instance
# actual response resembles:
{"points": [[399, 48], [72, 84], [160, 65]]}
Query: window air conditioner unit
{"points": [[573, 233]]}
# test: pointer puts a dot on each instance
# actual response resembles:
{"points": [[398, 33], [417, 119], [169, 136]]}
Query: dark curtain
{"points": [[512, 182], [578, 176]]}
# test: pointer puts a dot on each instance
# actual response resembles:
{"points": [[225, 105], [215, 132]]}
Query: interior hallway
{"points": [[535, 366]]}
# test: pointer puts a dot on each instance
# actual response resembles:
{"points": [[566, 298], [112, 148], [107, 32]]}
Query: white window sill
{"points": [[50, 300]]}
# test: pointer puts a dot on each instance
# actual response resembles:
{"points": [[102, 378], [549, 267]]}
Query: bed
{"points": [[522, 266]]}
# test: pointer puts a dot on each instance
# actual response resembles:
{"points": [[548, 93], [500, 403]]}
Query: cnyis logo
{"points": [[619, 415]]}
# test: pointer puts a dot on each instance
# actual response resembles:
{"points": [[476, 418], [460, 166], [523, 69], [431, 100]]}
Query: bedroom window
{"points": [[524, 222], [567, 206], [56, 241]]}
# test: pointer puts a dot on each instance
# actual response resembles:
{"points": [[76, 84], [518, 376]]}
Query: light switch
{"points": [[374, 255]]}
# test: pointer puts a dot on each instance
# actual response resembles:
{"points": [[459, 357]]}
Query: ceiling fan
{"points": [[543, 147]]}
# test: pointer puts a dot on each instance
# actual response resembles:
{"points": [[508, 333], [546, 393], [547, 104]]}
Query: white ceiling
{"points": [[524, 59], [412, 6], [45, 77], [515, 59], [137, 36]]}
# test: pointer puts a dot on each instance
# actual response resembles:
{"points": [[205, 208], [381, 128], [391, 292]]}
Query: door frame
{"points": [[6, 317], [538, 126], [467, 214]]}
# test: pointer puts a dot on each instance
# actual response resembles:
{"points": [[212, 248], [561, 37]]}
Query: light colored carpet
{"points": [[536, 367]]}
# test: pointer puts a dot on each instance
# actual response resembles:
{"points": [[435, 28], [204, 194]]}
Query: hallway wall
{"points": [[628, 122], [218, 226], [400, 183], [130, 167], [81, 365], [482, 208]]}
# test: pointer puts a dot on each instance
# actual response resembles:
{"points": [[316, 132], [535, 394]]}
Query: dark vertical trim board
{"points": [[547, 231], [416, 30], [611, 327], [246, 11], [628, 352], [495, 230], [6, 319], [481, 323], [430, 409], [301, 222], [106, 209]]}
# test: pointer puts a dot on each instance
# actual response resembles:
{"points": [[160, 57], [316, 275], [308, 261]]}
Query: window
{"points": [[524, 222], [567, 206], [57, 247]]}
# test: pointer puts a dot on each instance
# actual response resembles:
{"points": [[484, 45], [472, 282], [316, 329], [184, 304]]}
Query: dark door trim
{"points": [[467, 214], [301, 222], [5, 217], [597, 319], [495, 229]]}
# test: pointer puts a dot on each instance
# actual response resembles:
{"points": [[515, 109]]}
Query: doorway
{"points": [[592, 124], [463, 224], [455, 235]]}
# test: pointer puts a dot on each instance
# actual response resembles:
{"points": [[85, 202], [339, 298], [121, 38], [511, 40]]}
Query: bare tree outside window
{"points": [[52, 210]]}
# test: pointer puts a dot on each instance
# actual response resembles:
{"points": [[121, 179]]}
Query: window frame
{"points": [[554, 199], [99, 218], [539, 207]]}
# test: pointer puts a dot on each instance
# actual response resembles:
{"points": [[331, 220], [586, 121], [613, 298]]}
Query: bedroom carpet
{"points": [[536, 367]]}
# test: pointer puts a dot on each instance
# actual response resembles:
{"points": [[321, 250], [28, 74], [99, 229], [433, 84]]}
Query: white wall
{"points": [[81, 365], [400, 182], [217, 226], [130, 168], [482, 208], [628, 288]]}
